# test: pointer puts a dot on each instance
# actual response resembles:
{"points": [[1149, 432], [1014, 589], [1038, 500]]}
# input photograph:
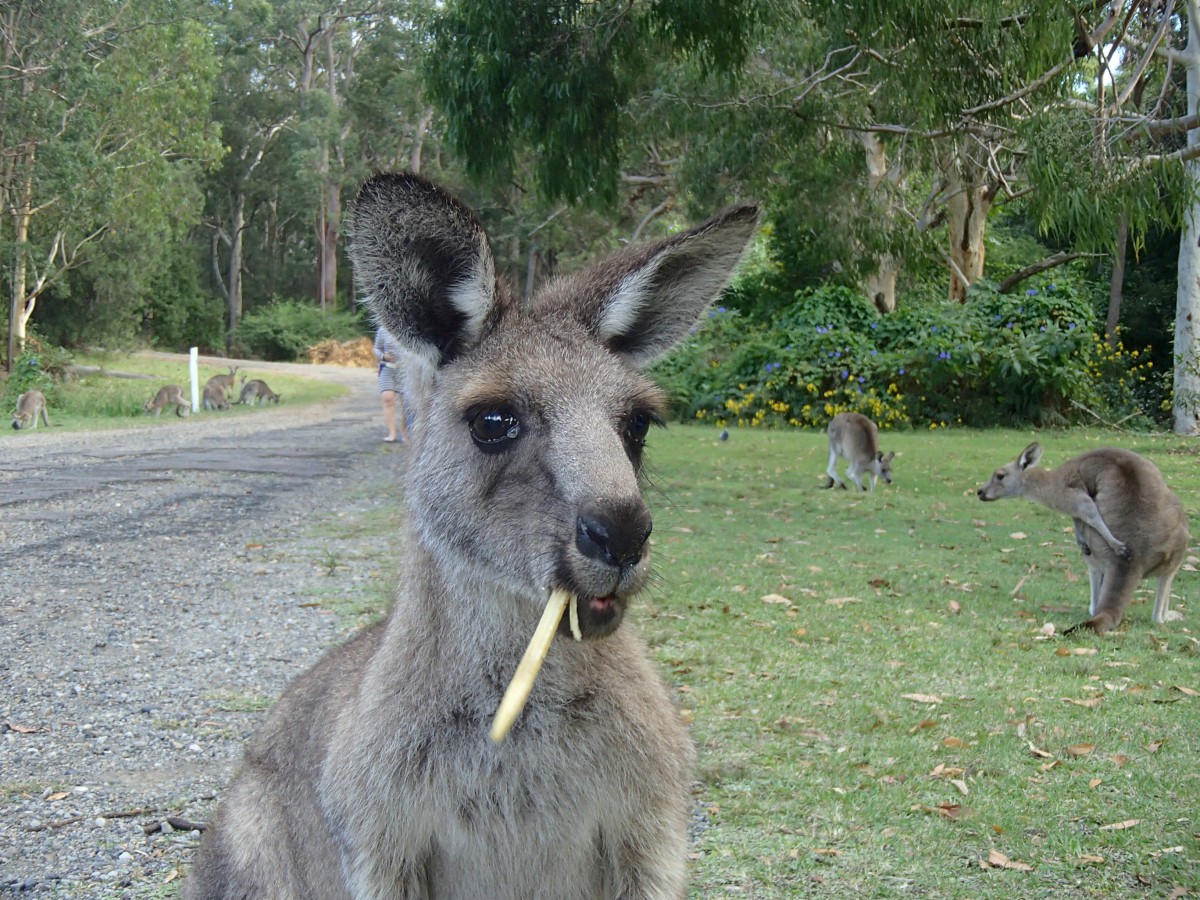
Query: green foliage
{"points": [[997, 359], [555, 78], [40, 368], [284, 329]]}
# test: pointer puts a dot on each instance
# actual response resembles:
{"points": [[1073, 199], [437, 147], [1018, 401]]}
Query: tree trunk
{"points": [[1187, 304], [234, 277], [1116, 287], [21, 307], [880, 285], [967, 210]]}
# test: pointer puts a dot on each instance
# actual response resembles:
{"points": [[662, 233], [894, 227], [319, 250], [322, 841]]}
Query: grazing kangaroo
{"points": [[256, 389], [170, 395], [375, 776], [855, 437], [225, 382], [1128, 523], [214, 396], [30, 406]]}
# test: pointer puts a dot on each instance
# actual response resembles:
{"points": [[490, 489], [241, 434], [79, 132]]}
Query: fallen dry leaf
{"points": [[776, 598], [961, 785], [1121, 826], [1120, 760], [954, 742], [1083, 651], [22, 729], [996, 859], [1155, 746], [1039, 753], [921, 698], [842, 601], [1186, 691], [1095, 783], [1018, 535], [1090, 859], [59, 795], [1089, 702], [1078, 750]]}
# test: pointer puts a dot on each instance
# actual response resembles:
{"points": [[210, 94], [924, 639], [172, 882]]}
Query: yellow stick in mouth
{"points": [[518, 690]]}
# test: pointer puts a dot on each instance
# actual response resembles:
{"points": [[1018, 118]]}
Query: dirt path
{"points": [[158, 587]]}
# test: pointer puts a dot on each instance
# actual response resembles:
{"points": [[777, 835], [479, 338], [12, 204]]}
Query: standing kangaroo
{"points": [[1128, 523], [855, 437], [256, 389], [224, 382], [170, 395], [375, 776], [30, 405]]}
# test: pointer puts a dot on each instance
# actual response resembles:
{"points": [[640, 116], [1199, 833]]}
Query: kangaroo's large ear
{"points": [[642, 302], [1030, 456], [422, 261]]}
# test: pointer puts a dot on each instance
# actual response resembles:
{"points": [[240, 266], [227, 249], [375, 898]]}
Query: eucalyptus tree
{"points": [[103, 126]]}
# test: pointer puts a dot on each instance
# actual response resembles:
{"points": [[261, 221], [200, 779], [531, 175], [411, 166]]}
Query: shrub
{"points": [[40, 368], [284, 329], [997, 359]]}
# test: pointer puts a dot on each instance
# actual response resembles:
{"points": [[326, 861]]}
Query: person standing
{"points": [[391, 385]]}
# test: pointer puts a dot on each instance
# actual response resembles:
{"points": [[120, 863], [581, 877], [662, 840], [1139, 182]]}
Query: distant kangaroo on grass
{"points": [[30, 406], [170, 395], [1128, 523], [224, 382], [214, 397], [375, 776], [855, 437], [256, 389]]}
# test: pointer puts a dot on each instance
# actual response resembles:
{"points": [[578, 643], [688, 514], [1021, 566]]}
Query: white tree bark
{"points": [[1187, 302]]}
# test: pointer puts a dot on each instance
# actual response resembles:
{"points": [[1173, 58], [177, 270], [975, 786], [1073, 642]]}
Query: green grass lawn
{"points": [[876, 710], [96, 401]]}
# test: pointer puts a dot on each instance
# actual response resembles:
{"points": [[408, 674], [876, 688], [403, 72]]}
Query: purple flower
{"points": [[1032, 292], [845, 374], [902, 370]]}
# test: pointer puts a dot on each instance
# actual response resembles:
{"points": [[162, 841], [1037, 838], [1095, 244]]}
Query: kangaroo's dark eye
{"points": [[493, 430], [636, 427]]}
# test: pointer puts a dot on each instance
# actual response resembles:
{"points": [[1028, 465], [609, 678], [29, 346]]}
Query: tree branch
{"points": [[1042, 265]]}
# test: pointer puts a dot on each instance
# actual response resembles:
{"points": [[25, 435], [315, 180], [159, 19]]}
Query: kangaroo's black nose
{"points": [[615, 534]]}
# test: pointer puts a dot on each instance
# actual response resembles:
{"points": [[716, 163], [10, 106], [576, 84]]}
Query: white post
{"points": [[194, 371]]}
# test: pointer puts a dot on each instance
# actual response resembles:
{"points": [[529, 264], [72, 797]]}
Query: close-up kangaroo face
{"points": [[533, 479]]}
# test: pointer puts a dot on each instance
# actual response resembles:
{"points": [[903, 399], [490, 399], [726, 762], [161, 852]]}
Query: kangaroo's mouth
{"points": [[597, 617]]}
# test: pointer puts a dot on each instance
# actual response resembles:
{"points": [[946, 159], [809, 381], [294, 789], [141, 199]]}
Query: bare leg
{"points": [[400, 414], [389, 413]]}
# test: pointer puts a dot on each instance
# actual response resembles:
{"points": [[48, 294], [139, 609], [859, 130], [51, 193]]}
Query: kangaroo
{"points": [[1108, 492], [855, 437], [170, 395], [256, 389], [375, 775], [226, 382], [30, 406], [214, 396]]}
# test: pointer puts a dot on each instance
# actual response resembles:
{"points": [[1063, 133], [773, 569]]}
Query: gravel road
{"points": [[158, 587]]}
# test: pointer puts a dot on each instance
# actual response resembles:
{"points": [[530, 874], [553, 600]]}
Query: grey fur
{"points": [[256, 389], [856, 438], [1128, 523], [374, 776]]}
